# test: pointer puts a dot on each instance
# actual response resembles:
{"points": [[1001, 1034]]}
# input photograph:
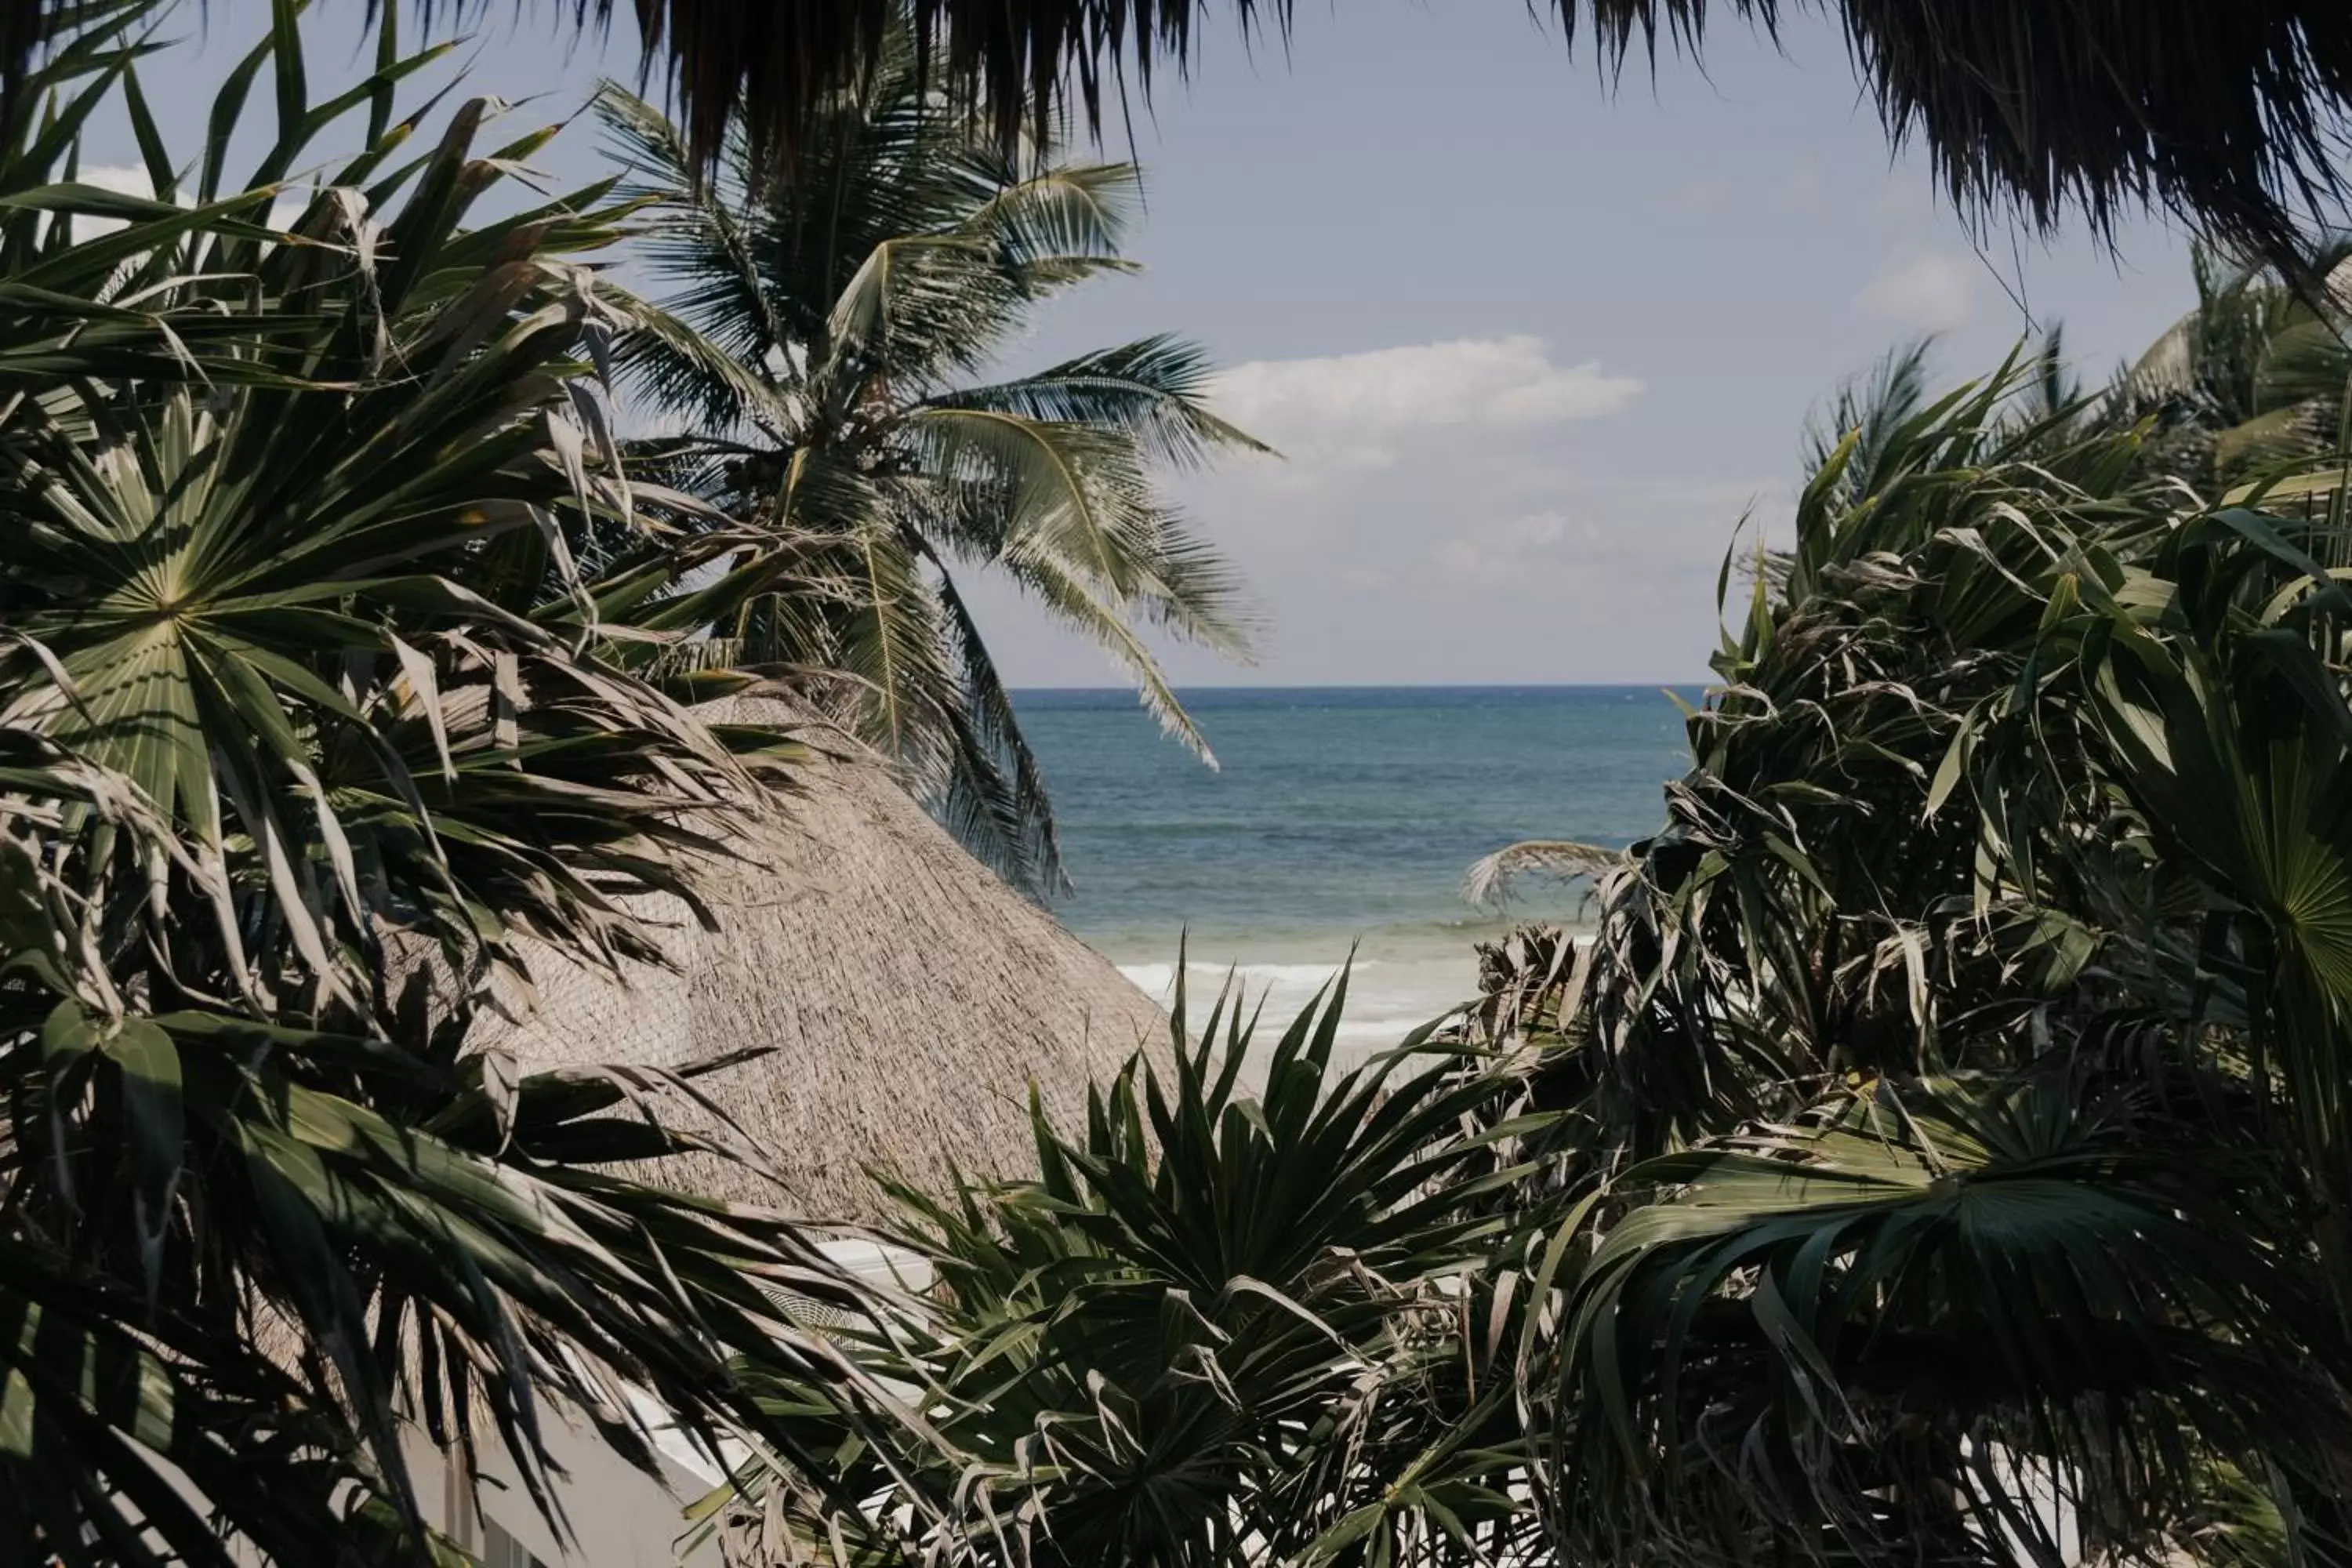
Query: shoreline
{"points": [[1397, 979]]}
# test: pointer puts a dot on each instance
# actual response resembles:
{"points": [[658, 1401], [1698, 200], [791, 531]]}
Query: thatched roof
{"points": [[2228, 114], [909, 997]]}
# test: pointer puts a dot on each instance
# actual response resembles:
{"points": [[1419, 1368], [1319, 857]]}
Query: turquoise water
{"points": [[1340, 816]]}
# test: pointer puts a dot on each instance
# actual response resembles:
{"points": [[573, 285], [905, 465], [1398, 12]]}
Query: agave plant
{"points": [[306, 714], [829, 332]]}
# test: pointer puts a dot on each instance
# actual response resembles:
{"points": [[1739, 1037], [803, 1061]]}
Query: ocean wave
{"points": [[1376, 1031], [1382, 1008]]}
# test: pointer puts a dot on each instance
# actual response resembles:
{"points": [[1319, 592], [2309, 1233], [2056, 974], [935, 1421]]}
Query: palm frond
{"points": [[1222, 1318], [1492, 878], [2006, 1290], [306, 719], [1157, 388]]}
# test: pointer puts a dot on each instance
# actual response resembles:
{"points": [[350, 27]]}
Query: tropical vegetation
{"points": [[1227, 1321], [350, 664], [1967, 1027], [821, 360], [1940, 1152], [1937, 1152], [309, 716]]}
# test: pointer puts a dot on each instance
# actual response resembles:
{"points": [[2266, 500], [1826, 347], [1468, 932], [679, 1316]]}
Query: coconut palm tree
{"points": [[825, 359], [294, 739]]}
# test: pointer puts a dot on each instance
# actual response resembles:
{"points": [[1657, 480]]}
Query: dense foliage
{"points": [[1248, 1312], [1973, 1029], [1938, 1153], [1942, 1150], [306, 714]]}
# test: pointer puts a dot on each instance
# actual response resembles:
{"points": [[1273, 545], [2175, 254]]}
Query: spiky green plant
{"points": [[1250, 1311], [1962, 1055]]}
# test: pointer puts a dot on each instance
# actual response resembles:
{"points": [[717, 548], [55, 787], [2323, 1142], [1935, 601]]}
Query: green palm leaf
{"points": [[1844, 1307]]}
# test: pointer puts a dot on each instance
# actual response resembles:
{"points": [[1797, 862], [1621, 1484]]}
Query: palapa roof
{"points": [[909, 995], [2228, 116]]}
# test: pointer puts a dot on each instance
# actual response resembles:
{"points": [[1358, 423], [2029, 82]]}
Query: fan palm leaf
{"points": [[1929, 1288], [306, 710]]}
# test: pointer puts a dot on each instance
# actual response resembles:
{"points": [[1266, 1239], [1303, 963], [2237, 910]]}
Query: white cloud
{"points": [[1361, 409], [119, 178], [1501, 527], [1926, 290]]}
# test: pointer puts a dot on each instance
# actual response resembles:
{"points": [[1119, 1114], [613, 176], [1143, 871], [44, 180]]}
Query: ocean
{"points": [[1341, 818]]}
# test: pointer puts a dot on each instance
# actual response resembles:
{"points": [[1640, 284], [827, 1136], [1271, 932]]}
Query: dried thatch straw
{"points": [[909, 998]]}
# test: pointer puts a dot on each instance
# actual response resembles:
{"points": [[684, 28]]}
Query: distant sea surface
{"points": [[1339, 817]]}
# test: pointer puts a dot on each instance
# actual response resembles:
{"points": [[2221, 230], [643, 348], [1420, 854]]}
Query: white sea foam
{"points": [[1159, 978], [1387, 999]]}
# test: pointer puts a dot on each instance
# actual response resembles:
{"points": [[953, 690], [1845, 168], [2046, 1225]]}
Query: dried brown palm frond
{"points": [[2228, 113], [2231, 116], [1493, 879], [1528, 985]]}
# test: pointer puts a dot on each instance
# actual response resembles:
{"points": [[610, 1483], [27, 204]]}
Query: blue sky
{"points": [[1531, 347]]}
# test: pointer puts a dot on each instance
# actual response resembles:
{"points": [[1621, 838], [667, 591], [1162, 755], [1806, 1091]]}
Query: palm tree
{"points": [[295, 737], [823, 359], [2253, 378]]}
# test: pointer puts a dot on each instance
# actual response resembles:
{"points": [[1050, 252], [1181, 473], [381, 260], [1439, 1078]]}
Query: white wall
{"points": [[618, 1517]]}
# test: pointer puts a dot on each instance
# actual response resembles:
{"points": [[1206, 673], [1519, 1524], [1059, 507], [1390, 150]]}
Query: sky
{"points": [[1533, 348]]}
